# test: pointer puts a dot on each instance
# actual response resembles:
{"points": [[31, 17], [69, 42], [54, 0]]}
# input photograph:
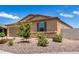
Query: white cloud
{"points": [[66, 15], [76, 12], [6, 15]]}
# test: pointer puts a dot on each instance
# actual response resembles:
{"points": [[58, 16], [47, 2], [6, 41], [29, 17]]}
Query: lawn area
{"points": [[31, 47]]}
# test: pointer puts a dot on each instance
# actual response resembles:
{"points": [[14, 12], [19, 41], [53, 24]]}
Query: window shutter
{"points": [[37, 27]]}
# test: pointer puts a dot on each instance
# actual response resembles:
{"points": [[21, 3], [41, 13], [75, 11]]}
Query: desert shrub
{"points": [[42, 41], [11, 42], [57, 38], [2, 34], [3, 41]]}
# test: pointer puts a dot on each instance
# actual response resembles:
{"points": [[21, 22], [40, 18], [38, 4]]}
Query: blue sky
{"points": [[13, 13]]}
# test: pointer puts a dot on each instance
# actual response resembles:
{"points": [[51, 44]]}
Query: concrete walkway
{"points": [[4, 52]]}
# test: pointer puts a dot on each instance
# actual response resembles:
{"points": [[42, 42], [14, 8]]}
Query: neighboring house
{"points": [[40, 23], [3, 29]]}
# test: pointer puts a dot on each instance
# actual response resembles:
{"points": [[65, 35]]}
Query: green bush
{"points": [[57, 38], [24, 31], [42, 41], [3, 41], [2, 34], [11, 42]]}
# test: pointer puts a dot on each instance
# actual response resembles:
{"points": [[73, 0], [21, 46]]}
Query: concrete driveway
{"points": [[4, 52]]}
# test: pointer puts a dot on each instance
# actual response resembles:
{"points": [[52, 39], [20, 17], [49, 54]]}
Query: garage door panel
{"points": [[13, 31]]}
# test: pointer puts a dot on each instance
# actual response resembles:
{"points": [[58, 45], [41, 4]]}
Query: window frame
{"points": [[38, 26]]}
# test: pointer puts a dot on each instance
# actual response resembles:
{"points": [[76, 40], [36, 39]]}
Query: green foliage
{"points": [[11, 42], [3, 41], [57, 38], [25, 31], [2, 34], [42, 41]]}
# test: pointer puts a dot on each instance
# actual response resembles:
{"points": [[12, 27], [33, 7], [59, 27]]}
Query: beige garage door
{"points": [[13, 31]]}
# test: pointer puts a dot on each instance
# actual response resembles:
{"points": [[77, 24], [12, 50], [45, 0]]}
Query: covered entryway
{"points": [[3, 29]]}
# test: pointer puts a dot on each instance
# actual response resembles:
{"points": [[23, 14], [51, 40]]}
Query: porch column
{"points": [[8, 32]]}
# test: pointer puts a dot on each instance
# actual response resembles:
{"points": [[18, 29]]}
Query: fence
{"points": [[71, 33]]}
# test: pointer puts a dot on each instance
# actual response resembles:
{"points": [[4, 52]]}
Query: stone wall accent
{"points": [[46, 34]]}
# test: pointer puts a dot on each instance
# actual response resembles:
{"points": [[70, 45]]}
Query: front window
{"points": [[41, 26]]}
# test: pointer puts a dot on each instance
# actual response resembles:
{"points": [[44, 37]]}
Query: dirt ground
{"points": [[31, 47]]}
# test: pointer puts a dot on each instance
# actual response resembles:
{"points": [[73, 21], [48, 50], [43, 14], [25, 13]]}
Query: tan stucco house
{"points": [[40, 23]]}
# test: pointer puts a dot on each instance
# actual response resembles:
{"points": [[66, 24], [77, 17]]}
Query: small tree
{"points": [[25, 31], [2, 34]]}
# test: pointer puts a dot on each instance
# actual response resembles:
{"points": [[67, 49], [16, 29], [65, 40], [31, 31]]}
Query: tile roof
{"points": [[31, 16]]}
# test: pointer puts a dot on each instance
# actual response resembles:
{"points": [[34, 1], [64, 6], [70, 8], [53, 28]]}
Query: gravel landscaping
{"points": [[31, 47]]}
